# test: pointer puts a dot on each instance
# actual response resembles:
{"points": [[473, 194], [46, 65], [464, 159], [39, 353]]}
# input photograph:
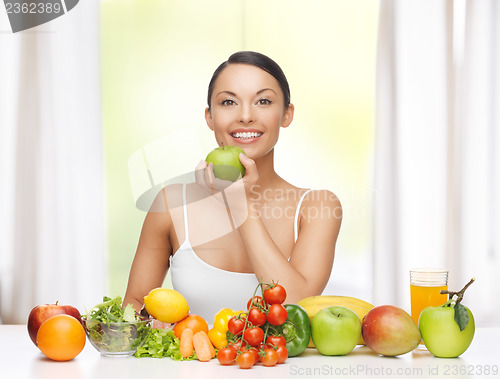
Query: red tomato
{"points": [[274, 294], [270, 358], [245, 359], [255, 353], [235, 345], [235, 325], [256, 317], [282, 354], [242, 346], [276, 341], [257, 301], [277, 314], [226, 356], [263, 346], [254, 335]]}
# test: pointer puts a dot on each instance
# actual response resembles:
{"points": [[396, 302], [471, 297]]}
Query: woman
{"points": [[282, 233]]}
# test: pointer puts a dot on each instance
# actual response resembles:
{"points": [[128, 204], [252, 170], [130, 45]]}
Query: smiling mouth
{"points": [[246, 135]]}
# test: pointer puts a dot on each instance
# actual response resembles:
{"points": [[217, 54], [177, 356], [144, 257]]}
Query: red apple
{"points": [[43, 312], [389, 330]]}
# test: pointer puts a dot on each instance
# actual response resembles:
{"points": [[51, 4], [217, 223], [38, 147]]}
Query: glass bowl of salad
{"points": [[115, 331]]}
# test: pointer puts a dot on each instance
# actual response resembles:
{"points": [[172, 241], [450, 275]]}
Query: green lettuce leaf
{"points": [[162, 343], [110, 310], [129, 314]]}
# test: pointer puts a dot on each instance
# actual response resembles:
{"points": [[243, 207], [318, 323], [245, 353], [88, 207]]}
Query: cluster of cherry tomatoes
{"points": [[254, 339]]}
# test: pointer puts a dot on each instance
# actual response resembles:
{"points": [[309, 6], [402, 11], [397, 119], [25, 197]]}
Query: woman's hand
{"points": [[205, 177], [235, 196], [160, 325], [251, 177]]}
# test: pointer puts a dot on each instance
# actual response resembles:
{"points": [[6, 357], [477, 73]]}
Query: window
{"points": [[157, 60]]}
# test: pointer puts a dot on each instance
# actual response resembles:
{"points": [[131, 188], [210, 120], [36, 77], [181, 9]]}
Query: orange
{"points": [[61, 337], [194, 322]]}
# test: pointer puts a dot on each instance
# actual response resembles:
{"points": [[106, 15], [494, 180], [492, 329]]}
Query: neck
{"points": [[268, 178]]}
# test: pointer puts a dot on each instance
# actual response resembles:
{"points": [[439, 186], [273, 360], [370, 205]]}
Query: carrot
{"points": [[186, 343], [203, 347]]}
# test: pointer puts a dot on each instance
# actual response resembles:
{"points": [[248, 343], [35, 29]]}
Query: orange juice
{"points": [[425, 296]]}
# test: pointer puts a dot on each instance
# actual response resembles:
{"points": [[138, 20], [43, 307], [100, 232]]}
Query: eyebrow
{"points": [[228, 92], [264, 90], [258, 92]]}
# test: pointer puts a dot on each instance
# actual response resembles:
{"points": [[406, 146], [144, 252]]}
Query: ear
{"points": [[209, 119], [288, 116]]}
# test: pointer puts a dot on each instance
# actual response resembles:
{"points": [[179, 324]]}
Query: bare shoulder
{"points": [[160, 214], [169, 197], [321, 205], [322, 196]]}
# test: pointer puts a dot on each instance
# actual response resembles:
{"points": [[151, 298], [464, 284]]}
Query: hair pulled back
{"points": [[254, 59]]}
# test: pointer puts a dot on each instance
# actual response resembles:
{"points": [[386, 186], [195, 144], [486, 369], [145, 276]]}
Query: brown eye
{"points": [[228, 102], [264, 102]]}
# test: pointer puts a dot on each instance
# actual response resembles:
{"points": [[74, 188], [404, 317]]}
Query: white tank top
{"points": [[208, 289]]}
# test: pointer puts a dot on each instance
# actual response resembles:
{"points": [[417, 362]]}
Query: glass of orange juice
{"points": [[425, 287]]}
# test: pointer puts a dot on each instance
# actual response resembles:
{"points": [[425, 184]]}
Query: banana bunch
{"points": [[314, 304]]}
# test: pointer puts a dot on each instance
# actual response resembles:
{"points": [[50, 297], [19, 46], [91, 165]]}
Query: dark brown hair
{"points": [[258, 60]]}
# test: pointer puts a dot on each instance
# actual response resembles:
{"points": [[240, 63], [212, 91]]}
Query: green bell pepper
{"points": [[296, 330]]}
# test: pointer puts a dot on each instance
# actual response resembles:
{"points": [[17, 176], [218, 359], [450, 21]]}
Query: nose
{"points": [[246, 114]]}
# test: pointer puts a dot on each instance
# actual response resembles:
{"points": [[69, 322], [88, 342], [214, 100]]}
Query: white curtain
{"points": [[52, 245], [437, 164]]}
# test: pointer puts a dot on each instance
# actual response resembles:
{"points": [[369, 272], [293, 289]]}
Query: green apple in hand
{"points": [[226, 160], [447, 330], [335, 330]]}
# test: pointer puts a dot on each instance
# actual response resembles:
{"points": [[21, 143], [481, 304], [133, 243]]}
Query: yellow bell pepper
{"points": [[217, 334]]}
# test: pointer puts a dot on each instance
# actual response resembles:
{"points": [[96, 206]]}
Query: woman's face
{"points": [[247, 109]]}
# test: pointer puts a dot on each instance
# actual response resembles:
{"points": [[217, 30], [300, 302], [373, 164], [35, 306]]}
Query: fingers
{"points": [[203, 176], [214, 182], [244, 159], [201, 165], [251, 174], [247, 162], [160, 325], [209, 177], [199, 172]]}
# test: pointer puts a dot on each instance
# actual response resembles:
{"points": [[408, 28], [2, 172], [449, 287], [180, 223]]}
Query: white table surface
{"points": [[20, 358]]}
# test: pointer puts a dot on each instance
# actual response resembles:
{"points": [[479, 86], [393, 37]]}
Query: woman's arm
{"points": [[311, 261], [310, 265], [151, 261]]}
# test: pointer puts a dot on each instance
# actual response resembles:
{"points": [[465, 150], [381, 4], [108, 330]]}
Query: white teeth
{"points": [[246, 135]]}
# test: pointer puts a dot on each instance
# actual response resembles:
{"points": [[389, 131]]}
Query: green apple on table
{"points": [[447, 330], [226, 161], [335, 330]]}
